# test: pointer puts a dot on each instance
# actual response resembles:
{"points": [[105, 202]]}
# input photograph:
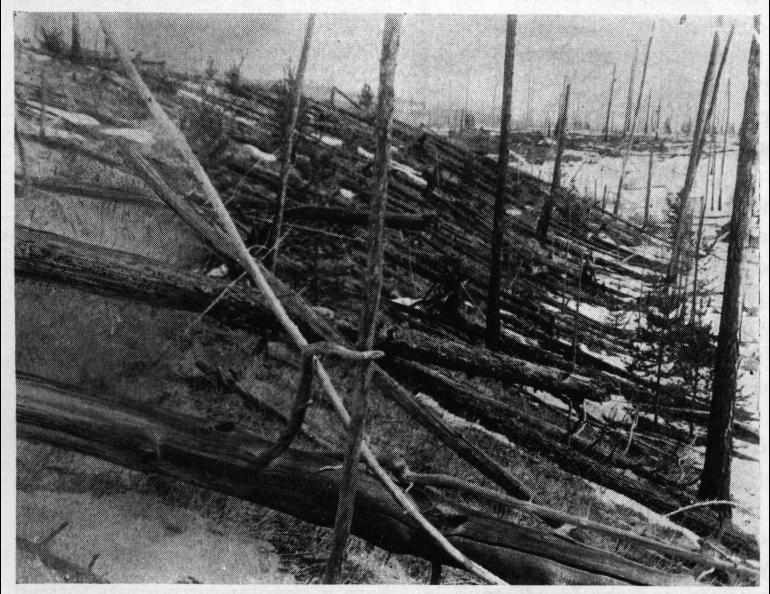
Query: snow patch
{"points": [[259, 155]]}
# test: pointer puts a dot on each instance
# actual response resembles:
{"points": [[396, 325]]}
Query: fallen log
{"points": [[303, 484], [347, 216], [418, 346], [46, 256], [505, 419]]}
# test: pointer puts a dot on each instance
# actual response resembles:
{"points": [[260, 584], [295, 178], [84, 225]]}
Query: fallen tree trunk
{"points": [[506, 420], [420, 347], [43, 255], [347, 216], [47, 256], [303, 484]]}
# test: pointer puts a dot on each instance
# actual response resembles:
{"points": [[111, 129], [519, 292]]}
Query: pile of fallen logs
{"points": [[439, 217]]}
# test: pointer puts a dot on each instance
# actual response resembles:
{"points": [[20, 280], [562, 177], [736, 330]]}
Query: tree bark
{"points": [[373, 289], [715, 479], [288, 145]]}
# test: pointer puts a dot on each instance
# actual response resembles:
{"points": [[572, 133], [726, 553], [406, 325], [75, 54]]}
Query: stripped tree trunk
{"points": [[647, 117], [630, 99], [561, 125], [498, 230], [648, 194], [683, 230], [76, 52], [724, 149], [373, 287], [609, 104], [288, 145], [715, 479], [632, 131]]}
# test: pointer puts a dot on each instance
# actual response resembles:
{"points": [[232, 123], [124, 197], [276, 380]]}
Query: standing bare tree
{"points": [[76, 52], [609, 104], [373, 288], [561, 130], [715, 478], [498, 230], [288, 145], [630, 100], [632, 126]]}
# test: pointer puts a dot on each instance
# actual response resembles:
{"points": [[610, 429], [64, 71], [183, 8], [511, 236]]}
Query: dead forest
{"points": [[375, 328]]}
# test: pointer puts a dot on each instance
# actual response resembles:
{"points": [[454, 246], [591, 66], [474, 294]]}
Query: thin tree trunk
{"points": [[648, 194], [498, 229], [609, 104], [373, 288], [715, 479], [288, 145], [683, 230], [545, 217], [657, 120], [632, 132], [647, 117], [724, 150], [630, 99], [76, 52]]}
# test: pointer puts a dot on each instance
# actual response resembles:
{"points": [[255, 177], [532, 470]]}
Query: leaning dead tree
{"points": [[632, 127], [498, 232], [224, 236], [715, 479], [683, 224], [545, 216], [295, 97], [373, 289], [724, 148]]}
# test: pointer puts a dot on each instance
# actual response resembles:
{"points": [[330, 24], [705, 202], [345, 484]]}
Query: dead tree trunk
{"points": [[683, 227], [648, 194], [715, 479], [609, 104], [724, 150], [498, 230], [545, 217], [288, 144], [373, 287], [76, 52], [632, 129], [630, 99]]}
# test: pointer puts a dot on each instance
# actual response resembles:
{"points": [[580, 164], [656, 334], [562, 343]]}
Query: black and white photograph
{"points": [[302, 293]]}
